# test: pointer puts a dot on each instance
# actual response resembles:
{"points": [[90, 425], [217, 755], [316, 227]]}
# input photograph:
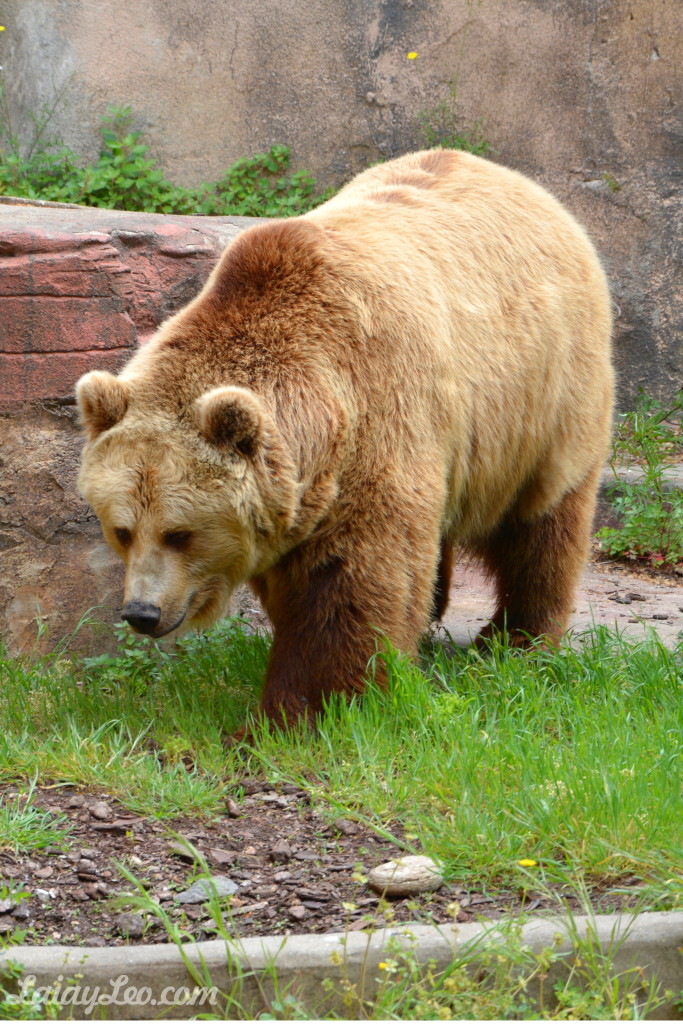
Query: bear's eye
{"points": [[123, 536], [178, 539]]}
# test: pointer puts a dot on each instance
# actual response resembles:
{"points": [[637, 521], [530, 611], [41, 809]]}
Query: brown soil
{"points": [[69, 893]]}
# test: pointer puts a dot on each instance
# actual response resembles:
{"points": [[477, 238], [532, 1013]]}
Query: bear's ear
{"points": [[231, 418], [102, 400]]}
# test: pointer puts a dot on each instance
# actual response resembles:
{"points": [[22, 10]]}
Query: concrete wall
{"points": [[567, 90]]}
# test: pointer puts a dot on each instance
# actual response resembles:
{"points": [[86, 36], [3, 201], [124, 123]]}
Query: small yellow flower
{"points": [[526, 862], [382, 965], [412, 55], [2, 28]]}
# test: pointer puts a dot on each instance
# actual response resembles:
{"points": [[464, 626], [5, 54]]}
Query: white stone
{"points": [[406, 876]]}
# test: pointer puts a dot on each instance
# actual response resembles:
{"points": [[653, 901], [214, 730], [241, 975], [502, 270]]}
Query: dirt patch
{"points": [[293, 869], [611, 593]]}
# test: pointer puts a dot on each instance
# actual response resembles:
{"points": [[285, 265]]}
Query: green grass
{"points": [[572, 759], [24, 828], [146, 726], [650, 514]]}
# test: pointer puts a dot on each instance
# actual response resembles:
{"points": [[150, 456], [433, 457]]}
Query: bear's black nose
{"points": [[144, 618]]}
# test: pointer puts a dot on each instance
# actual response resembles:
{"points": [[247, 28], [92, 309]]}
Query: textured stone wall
{"points": [[583, 95], [79, 290]]}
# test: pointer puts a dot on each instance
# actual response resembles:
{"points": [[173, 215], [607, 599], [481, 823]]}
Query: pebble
{"points": [[221, 857], [76, 801], [95, 940], [95, 891], [180, 849], [86, 865], [233, 809], [298, 912], [135, 861], [22, 913], [275, 799], [346, 827], [101, 810], [5, 927], [6, 905], [406, 876], [249, 908], [131, 926], [281, 851], [205, 888]]}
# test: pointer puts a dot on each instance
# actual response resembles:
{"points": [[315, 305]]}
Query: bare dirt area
{"points": [[292, 870], [611, 594]]}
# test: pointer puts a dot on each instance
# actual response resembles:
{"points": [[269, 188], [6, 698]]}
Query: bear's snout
{"points": [[143, 617]]}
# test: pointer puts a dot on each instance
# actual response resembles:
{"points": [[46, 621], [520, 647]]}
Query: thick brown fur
{"points": [[421, 363]]}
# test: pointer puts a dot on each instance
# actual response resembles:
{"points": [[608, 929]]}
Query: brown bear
{"points": [[421, 363]]}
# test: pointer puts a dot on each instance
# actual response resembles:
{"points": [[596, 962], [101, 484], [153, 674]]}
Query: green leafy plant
{"points": [[650, 513], [30, 1005], [125, 177], [442, 126], [612, 183]]}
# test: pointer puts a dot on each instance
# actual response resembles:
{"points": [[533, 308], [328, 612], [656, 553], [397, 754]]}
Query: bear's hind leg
{"points": [[537, 565], [442, 584]]}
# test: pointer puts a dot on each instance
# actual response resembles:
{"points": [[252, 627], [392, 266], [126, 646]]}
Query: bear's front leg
{"points": [[328, 622]]}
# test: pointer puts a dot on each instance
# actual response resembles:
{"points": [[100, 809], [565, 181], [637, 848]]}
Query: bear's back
{"points": [[490, 293]]}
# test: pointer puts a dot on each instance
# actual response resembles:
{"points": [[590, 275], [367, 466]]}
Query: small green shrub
{"points": [[28, 1006], [650, 514], [441, 126], [612, 183], [126, 178]]}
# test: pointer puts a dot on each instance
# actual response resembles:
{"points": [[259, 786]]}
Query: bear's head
{"points": [[193, 503]]}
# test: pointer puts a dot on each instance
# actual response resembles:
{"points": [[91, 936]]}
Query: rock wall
{"points": [[79, 290], [583, 95]]}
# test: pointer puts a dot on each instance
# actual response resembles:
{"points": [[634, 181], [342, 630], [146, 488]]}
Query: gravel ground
{"points": [[293, 870]]}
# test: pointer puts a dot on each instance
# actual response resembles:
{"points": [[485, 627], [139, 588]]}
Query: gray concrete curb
{"points": [[140, 981]]}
